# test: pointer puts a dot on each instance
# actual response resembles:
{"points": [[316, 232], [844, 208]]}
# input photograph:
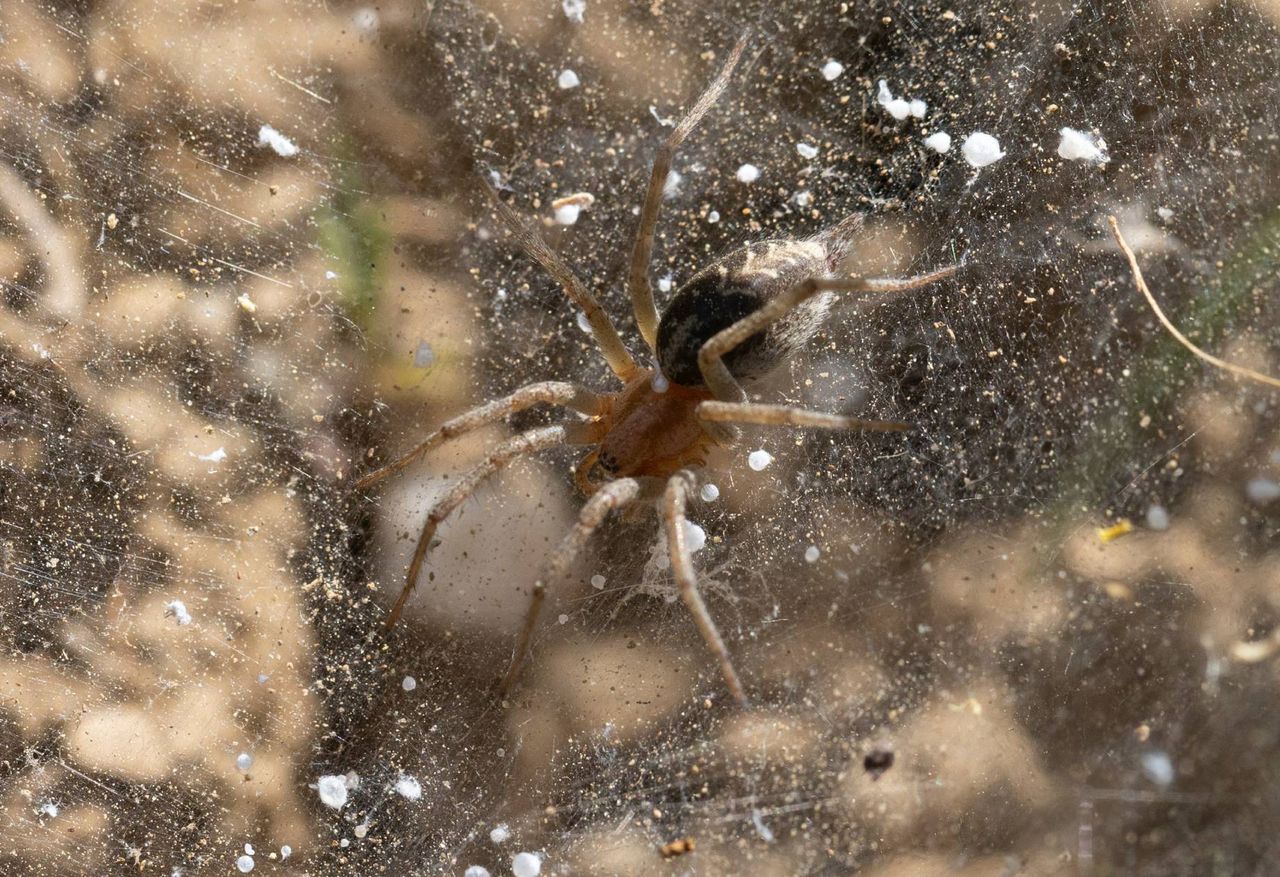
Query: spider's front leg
{"points": [[679, 487]]}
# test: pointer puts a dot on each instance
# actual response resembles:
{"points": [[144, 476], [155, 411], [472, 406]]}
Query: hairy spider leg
{"points": [[525, 443], [724, 386], [572, 396], [642, 304], [614, 495], [750, 412], [679, 486], [602, 329]]}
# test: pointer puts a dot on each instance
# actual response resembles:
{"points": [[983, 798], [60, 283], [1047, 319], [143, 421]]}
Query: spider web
{"points": [[245, 255]]}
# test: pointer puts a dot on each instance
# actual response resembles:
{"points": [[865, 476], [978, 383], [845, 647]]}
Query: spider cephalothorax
{"points": [[736, 320]]}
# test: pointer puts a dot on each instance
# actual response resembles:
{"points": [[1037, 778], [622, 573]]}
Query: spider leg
{"points": [[750, 412], [678, 488], [614, 495], [556, 392], [602, 329], [525, 443], [724, 386], [646, 312]]}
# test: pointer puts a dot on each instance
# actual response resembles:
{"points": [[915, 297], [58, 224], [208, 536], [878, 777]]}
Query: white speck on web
{"points": [[918, 107], [333, 790], [215, 457], [408, 683], [672, 183], [526, 865], [1157, 517], [713, 217], [981, 149], [748, 173], [939, 142], [178, 610], [48, 808], [894, 106], [807, 150], [268, 136], [476, 871], [246, 304], [804, 198], [248, 848], [568, 79], [1079, 146], [832, 70], [366, 19], [665, 283], [759, 460], [1262, 491], [694, 537], [244, 864], [244, 761], [761, 829], [709, 493], [1164, 213], [597, 582], [567, 214], [330, 275], [575, 11], [1158, 768], [562, 619], [408, 788], [500, 834], [286, 851], [811, 554]]}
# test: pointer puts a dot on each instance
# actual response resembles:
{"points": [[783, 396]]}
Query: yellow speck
{"points": [[1115, 531]]}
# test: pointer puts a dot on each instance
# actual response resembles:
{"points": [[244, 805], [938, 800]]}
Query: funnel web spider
{"points": [[734, 321]]}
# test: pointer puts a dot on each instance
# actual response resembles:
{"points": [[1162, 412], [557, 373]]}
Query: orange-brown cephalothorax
{"points": [[652, 432]]}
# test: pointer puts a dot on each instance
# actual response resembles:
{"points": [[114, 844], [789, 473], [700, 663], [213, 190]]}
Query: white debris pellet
{"points": [[665, 283], [917, 107], [803, 198], [50, 809], [1262, 491], [244, 864], [365, 19], [567, 214], [246, 304], [981, 149], [249, 850], [333, 790], [1158, 768], [568, 79], [894, 106], [713, 217], [694, 537], [500, 834], [178, 610], [939, 142], [213, 457], [476, 871], [1157, 518], [1080, 146], [575, 11], [562, 619], [244, 761], [759, 460], [583, 323], [812, 553], [286, 851], [597, 582], [1164, 213], [671, 185], [268, 136], [408, 683], [748, 173], [807, 151], [709, 493], [409, 788], [832, 70], [526, 865]]}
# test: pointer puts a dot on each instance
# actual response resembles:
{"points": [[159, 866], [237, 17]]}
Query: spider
{"points": [[734, 321]]}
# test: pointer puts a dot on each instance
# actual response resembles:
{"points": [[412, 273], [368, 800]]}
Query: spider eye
{"points": [[608, 462]]}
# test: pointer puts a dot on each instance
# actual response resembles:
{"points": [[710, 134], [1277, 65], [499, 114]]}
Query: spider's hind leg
{"points": [[614, 495], [679, 487]]}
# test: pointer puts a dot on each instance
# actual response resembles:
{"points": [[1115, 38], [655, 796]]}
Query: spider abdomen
{"points": [[730, 289]]}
